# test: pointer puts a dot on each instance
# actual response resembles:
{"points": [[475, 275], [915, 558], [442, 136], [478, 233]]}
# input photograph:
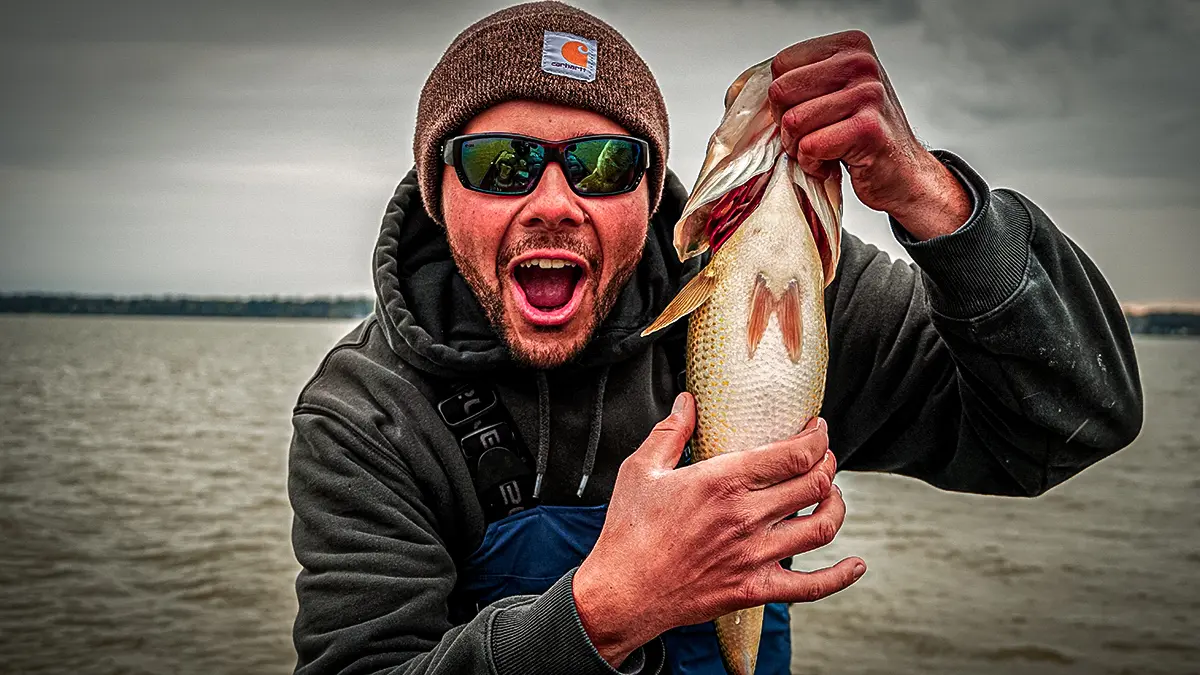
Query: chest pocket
{"points": [[525, 553]]}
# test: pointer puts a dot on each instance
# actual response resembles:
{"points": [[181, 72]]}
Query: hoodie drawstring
{"points": [[597, 416], [589, 461]]}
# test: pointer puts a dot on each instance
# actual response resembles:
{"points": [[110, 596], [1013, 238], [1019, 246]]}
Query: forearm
{"points": [[1033, 325], [1000, 363], [376, 580]]}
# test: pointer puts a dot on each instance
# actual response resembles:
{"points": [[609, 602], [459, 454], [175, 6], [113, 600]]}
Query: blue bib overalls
{"points": [[525, 553]]}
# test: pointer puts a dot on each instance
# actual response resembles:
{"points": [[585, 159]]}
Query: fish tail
{"points": [[738, 635]]}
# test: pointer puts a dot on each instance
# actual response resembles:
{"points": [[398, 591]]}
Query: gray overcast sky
{"points": [[249, 147]]}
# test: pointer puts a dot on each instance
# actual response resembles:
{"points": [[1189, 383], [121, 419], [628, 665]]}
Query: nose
{"points": [[553, 204]]}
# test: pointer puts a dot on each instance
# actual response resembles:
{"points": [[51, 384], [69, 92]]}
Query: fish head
{"points": [[742, 154]]}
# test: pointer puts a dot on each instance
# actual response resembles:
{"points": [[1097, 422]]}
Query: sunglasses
{"points": [[510, 164]]}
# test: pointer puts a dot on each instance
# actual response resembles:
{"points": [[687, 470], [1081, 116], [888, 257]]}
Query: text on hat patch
{"points": [[569, 55]]}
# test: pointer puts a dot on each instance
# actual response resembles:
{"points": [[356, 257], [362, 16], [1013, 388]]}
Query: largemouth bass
{"points": [[756, 347]]}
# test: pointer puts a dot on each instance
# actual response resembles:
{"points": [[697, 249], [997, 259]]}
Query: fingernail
{"points": [[680, 403], [859, 570], [821, 423], [835, 487]]}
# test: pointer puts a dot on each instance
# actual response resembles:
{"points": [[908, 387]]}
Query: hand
{"points": [[684, 546], [833, 101]]}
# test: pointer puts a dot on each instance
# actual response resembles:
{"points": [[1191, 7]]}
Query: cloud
{"points": [[192, 134]]}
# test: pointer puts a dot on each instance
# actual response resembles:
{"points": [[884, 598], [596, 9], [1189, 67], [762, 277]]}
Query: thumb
{"points": [[664, 445]]}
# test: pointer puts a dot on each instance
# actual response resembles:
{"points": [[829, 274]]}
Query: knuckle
{"points": [[780, 64], [755, 589], [809, 591], [863, 63], [790, 118], [667, 432], [857, 38], [870, 93], [776, 91], [823, 532], [797, 461], [630, 465], [867, 126], [823, 482], [668, 427]]}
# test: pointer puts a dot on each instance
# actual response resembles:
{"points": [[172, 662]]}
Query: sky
{"points": [[249, 147]]}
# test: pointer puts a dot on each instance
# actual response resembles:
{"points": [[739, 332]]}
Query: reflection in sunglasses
{"points": [[612, 166], [508, 165]]}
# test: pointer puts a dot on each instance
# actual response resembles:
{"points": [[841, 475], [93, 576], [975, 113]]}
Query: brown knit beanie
{"points": [[534, 51]]}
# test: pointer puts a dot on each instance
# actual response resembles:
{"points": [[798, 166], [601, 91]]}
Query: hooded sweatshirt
{"points": [[999, 363]]}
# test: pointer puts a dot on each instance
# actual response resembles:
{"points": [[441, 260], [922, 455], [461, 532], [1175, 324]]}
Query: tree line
{"points": [[341, 307], [261, 307]]}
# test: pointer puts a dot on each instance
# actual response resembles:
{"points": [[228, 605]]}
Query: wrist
{"points": [[605, 616], [936, 202]]}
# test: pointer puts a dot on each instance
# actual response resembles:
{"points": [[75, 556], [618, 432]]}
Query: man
{"points": [[484, 473]]}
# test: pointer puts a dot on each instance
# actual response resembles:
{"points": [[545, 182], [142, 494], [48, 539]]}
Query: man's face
{"points": [[547, 266]]}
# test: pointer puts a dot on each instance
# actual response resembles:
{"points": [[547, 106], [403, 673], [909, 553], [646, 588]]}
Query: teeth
{"points": [[547, 263]]}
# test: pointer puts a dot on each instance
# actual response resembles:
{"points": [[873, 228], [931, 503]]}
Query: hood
{"points": [[433, 321]]}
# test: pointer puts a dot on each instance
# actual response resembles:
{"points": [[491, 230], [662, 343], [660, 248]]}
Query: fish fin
{"points": [[833, 225], [820, 198], [786, 307], [738, 637], [788, 310], [744, 145], [762, 304], [690, 297]]}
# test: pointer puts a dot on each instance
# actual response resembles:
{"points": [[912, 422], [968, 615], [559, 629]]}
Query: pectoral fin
{"points": [[785, 307], [691, 296]]}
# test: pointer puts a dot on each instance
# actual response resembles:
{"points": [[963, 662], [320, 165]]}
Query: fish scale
{"points": [[744, 402], [757, 347]]}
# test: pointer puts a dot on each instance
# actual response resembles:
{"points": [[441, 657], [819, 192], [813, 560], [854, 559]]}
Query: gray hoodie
{"points": [[1000, 363]]}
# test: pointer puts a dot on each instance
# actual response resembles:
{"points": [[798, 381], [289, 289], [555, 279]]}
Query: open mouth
{"points": [[548, 285]]}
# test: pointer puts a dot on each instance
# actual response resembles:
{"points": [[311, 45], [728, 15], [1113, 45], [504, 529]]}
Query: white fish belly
{"points": [[745, 402]]}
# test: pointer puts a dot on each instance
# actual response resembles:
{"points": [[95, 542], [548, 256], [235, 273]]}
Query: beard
{"points": [[555, 347]]}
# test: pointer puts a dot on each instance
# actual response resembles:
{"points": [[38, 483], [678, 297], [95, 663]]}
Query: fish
{"points": [[757, 348]]}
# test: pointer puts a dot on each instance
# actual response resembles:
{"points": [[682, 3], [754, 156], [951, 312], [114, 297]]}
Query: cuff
{"points": [[974, 269], [547, 637]]}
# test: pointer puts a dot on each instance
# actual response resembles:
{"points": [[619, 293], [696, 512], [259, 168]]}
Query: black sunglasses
{"points": [[511, 164]]}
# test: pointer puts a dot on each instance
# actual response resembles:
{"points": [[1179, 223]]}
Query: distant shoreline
{"points": [[257, 308], [1143, 319]]}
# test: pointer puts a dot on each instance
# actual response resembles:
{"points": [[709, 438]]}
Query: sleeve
{"points": [[376, 578], [1000, 363]]}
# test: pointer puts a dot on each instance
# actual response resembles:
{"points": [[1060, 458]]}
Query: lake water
{"points": [[144, 522]]}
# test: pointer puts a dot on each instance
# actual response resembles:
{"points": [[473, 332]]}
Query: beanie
{"points": [[541, 51]]}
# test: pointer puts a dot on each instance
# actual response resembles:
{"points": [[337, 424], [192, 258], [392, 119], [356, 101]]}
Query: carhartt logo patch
{"points": [[569, 55]]}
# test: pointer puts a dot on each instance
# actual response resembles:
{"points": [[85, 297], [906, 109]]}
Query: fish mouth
{"points": [[548, 285]]}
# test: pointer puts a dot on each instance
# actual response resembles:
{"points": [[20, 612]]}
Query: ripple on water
{"points": [[145, 524]]}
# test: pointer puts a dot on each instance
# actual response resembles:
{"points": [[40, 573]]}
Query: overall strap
{"points": [[501, 467]]}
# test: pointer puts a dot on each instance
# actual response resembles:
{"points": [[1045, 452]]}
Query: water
{"points": [[144, 522]]}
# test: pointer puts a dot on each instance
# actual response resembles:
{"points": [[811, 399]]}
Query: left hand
{"points": [[832, 101]]}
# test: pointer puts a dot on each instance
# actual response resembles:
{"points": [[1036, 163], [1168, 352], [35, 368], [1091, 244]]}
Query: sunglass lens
{"points": [[604, 165], [501, 165]]}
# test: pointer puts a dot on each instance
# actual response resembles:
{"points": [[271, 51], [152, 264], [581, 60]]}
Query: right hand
{"points": [[684, 546]]}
